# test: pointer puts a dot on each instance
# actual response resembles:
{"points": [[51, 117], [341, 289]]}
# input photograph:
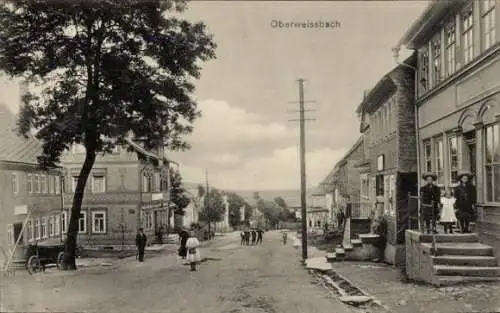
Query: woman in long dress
{"points": [[193, 255]]}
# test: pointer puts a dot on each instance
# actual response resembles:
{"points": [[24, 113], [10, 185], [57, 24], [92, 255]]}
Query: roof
{"points": [[379, 92], [14, 147], [141, 150], [426, 23], [327, 180]]}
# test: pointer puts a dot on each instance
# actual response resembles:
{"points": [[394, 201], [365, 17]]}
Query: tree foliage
{"points": [[178, 194], [213, 210], [105, 69], [236, 202], [281, 202]]}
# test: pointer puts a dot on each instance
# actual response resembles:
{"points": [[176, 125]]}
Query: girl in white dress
{"points": [[448, 217], [193, 254]]}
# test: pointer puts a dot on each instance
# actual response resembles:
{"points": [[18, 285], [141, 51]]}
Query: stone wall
{"points": [[418, 261]]}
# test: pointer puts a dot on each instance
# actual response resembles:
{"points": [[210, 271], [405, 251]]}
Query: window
{"points": [[436, 59], [51, 184], [36, 229], [428, 156], [43, 228], [64, 222], [30, 235], [99, 222], [148, 220], [467, 34], [37, 183], [488, 23], [424, 71], [492, 163], [29, 183], [10, 234], [98, 184], [451, 38], [14, 183], [157, 181], [74, 182], [116, 149], [43, 183], [57, 184], [147, 182], [51, 226], [389, 116], [438, 145], [57, 225], [82, 223], [453, 153], [379, 185]]}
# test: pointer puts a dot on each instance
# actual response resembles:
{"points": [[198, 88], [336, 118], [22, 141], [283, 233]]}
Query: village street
{"points": [[235, 279]]}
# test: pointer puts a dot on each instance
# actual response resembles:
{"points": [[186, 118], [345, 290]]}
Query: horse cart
{"points": [[41, 254]]}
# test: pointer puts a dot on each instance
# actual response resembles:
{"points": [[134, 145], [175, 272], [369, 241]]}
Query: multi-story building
{"points": [[343, 180], [390, 171], [29, 195], [126, 189], [458, 99]]}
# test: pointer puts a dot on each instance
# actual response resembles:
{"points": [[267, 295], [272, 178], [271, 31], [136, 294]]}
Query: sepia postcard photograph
{"points": [[250, 156]]}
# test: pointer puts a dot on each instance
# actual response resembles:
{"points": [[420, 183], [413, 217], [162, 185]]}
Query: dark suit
{"points": [[465, 195], [140, 243], [430, 203]]}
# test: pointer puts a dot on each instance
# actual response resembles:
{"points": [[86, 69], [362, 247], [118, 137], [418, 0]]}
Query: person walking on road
{"points": [[140, 243], [284, 237], [247, 237], [193, 256], [260, 234], [465, 195], [183, 236], [242, 235]]}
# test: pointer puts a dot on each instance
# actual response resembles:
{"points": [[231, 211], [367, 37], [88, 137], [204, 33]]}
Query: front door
{"points": [[18, 227], [470, 142]]}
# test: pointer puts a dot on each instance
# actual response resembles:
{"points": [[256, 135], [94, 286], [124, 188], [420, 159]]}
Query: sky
{"points": [[244, 139]]}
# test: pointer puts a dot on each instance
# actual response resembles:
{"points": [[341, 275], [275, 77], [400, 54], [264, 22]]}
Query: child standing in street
{"points": [[448, 217], [193, 255]]}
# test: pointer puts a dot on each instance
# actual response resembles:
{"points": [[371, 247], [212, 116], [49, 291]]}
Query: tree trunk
{"points": [[70, 244]]}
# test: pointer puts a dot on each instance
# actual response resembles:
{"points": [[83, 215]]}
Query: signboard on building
{"points": [[380, 162], [21, 209]]}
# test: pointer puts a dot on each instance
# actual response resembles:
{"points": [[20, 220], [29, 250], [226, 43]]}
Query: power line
{"points": [[303, 198]]}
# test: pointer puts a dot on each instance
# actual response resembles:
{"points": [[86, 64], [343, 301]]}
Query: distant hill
{"points": [[291, 197]]}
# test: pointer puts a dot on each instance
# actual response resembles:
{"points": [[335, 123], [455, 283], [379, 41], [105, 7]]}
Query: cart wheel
{"points": [[33, 265], [60, 260]]}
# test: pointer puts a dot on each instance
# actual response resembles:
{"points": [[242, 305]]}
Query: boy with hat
{"points": [[430, 202], [140, 242], [465, 194]]}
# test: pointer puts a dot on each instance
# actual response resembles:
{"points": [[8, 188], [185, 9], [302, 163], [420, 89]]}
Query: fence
{"points": [[362, 210]]}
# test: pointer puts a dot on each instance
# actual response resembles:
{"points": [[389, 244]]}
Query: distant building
{"points": [[26, 190], [126, 190], [458, 99]]}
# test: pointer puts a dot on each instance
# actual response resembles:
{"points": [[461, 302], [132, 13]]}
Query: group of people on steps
{"points": [[448, 206]]}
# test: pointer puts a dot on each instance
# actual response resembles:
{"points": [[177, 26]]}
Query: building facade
{"points": [[344, 180], [389, 173], [29, 195], [458, 99], [126, 190]]}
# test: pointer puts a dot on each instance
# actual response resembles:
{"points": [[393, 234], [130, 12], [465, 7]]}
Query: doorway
{"points": [[18, 227], [470, 153]]}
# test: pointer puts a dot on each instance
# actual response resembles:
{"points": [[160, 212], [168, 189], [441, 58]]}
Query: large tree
{"points": [[213, 209], [281, 202], [236, 202], [106, 69], [178, 194]]}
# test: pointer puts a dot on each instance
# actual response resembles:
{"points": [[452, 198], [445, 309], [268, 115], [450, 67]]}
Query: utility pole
{"points": [[207, 205], [303, 199]]}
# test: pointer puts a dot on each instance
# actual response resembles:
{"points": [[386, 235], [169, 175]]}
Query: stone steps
{"points": [[474, 271], [440, 238], [459, 248], [369, 238], [440, 281], [465, 260]]}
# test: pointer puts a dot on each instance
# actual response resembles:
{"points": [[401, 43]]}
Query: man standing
{"points": [[431, 197], [260, 232], [254, 236], [465, 195], [140, 243]]}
